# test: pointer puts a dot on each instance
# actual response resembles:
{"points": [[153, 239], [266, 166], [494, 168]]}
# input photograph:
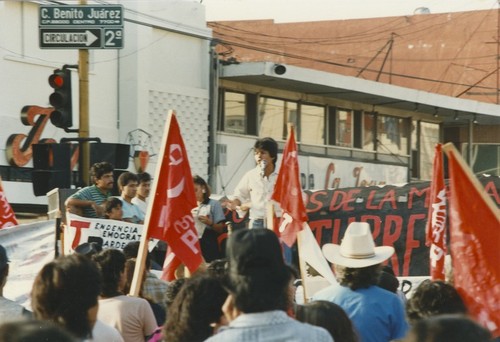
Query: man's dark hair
{"points": [[270, 145], [448, 328], [143, 177], [34, 331], [111, 262], [196, 307], [358, 278], [433, 298], [63, 292], [258, 277], [99, 169], [173, 289], [111, 203], [126, 178], [131, 251]]}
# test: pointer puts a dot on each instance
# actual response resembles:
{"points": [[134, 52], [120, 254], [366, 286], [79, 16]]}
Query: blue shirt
{"points": [[131, 212], [269, 326], [377, 314]]}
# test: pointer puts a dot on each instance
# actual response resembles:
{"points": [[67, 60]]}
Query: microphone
{"points": [[263, 164]]}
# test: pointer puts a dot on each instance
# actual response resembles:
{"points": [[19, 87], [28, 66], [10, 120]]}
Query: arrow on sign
{"points": [[69, 37]]}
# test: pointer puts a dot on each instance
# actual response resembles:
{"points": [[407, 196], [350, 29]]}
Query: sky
{"points": [[314, 10]]}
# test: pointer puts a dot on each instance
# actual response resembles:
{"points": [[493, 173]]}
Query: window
{"points": [[312, 124], [392, 135], [234, 113], [429, 137], [485, 158], [274, 115], [368, 131], [344, 125]]}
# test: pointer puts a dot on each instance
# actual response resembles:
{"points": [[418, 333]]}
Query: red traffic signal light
{"points": [[60, 99]]}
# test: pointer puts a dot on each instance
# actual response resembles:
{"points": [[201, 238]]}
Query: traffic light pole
{"points": [[83, 133], [83, 72]]}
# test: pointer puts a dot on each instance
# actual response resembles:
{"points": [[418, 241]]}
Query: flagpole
{"points": [[449, 148], [302, 267], [135, 286]]}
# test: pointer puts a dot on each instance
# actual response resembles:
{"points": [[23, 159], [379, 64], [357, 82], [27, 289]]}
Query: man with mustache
{"points": [[87, 201]]}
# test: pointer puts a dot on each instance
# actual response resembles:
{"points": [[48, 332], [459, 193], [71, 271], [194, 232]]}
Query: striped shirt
{"points": [[91, 193]]}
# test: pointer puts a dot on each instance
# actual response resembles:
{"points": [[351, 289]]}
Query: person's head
{"points": [[4, 267], [102, 175], [173, 290], [144, 187], [433, 298], [111, 262], [34, 331], [65, 291], [127, 183], [266, 149], [113, 208], [218, 268], [88, 249], [201, 189], [129, 275], [357, 262], [131, 251], [447, 328], [330, 316], [387, 280], [195, 310], [258, 277]]}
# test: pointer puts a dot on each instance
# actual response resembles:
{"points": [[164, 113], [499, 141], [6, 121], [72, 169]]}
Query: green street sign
{"points": [[81, 27]]}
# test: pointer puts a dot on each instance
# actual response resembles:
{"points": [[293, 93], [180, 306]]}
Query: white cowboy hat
{"points": [[357, 248]]}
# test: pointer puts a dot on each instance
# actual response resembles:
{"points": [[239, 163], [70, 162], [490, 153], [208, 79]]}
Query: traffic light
{"points": [[60, 99], [51, 167]]}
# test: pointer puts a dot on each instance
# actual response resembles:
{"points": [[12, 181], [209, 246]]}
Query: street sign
{"points": [[81, 27], [64, 38]]}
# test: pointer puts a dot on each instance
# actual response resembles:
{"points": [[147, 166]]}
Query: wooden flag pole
{"points": [[302, 266], [135, 286]]}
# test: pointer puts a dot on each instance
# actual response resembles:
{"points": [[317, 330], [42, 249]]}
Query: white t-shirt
{"points": [[105, 333], [143, 205], [131, 212], [131, 316], [256, 189]]}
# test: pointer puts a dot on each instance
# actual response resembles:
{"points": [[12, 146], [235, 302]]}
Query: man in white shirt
{"points": [[127, 182], [143, 190], [256, 187]]}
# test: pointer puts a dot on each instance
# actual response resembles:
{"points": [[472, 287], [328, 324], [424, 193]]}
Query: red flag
{"points": [[288, 193], [170, 214], [474, 243], [436, 219], [170, 265], [7, 216]]}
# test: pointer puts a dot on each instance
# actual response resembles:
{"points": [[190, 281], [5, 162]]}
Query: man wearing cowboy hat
{"points": [[377, 314]]}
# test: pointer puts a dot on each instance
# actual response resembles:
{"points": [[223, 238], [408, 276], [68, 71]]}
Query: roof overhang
{"points": [[375, 94]]}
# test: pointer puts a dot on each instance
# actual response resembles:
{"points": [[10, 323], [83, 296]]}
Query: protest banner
{"points": [[29, 247], [105, 232], [396, 214]]}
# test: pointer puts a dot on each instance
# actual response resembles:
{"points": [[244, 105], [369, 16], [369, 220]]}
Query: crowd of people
{"points": [[245, 292]]}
